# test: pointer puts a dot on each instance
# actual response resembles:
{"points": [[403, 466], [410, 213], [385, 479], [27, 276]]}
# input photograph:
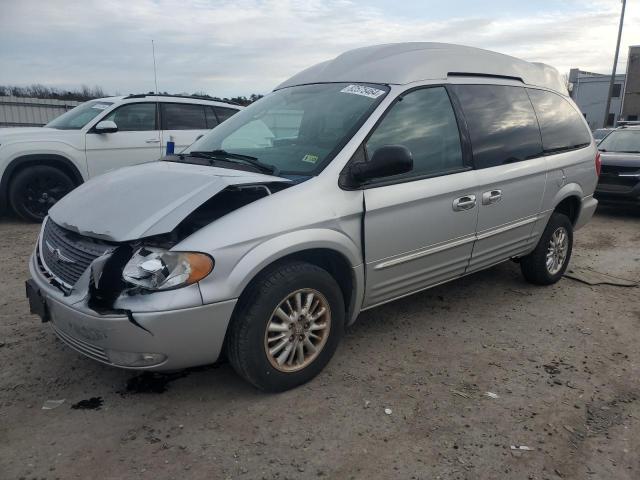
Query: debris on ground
{"points": [[461, 394], [591, 277], [491, 395], [51, 404], [388, 411], [367, 403], [522, 447]]}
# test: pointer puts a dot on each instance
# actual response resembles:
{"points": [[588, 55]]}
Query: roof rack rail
{"points": [[484, 75], [628, 123], [196, 97]]}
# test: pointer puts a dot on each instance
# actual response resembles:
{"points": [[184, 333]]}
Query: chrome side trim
{"points": [[506, 228], [456, 243], [423, 253]]}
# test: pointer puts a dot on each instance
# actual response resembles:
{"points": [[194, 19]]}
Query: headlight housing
{"points": [[159, 269]]}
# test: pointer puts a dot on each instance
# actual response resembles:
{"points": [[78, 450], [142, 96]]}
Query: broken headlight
{"points": [[159, 269]]}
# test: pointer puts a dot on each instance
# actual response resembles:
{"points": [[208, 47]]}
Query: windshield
{"points": [[78, 117], [600, 133], [621, 141], [296, 130]]}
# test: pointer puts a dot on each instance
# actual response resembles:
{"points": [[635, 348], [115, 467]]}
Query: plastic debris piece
{"points": [[51, 404], [521, 447], [388, 411], [492, 395], [367, 403], [461, 394]]}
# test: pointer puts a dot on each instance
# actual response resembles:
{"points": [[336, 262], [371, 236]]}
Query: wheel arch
{"points": [[328, 249], [568, 200], [25, 161]]}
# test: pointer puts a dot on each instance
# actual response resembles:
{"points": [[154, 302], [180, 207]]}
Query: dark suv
{"points": [[620, 178]]}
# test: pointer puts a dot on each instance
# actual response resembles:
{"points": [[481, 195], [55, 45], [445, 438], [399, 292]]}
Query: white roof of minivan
{"points": [[402, 63]]}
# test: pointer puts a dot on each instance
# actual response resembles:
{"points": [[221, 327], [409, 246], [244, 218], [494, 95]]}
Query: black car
{"points": [[620, 177]]}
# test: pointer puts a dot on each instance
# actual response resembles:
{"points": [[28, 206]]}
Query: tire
{"points": [[36, 189], [535, 266], [248, 340]]}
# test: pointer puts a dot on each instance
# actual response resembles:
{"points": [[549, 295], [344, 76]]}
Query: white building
{"points": [[589, 91]]}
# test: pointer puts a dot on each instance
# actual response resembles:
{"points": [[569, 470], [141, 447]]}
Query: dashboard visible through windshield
{"points": [[296, 130]]}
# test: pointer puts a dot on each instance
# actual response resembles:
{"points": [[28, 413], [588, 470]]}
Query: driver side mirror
{"points": [[386, 161], [106, 126]]}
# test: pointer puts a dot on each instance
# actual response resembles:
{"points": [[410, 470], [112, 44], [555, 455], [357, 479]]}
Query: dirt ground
{"points": [[563, 361]]}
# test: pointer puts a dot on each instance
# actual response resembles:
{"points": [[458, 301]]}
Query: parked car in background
{"points": [[600, 133], [38, 166], [363, 179], [620, 178]]}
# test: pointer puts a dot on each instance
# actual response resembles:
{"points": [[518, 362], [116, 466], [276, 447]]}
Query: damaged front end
{"points": [[117, 270]]}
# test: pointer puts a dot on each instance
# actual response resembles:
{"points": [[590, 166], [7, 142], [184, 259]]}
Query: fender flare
{"points": [[23, 161], [569, 190], [274, 249]]}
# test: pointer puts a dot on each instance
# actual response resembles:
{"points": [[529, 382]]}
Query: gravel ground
{"points": [[563, 362]]}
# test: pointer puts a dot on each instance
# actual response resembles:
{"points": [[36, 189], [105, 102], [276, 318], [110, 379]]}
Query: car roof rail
{"points": [[195, 97]]}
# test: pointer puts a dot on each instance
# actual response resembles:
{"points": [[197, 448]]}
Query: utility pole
{"points": [[615, 62]]}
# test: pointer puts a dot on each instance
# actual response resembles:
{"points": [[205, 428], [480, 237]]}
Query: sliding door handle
{"points": [[464, 203], [491, 197], [152, 140]]}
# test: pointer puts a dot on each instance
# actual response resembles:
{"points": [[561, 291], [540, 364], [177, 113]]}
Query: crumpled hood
{"points": [[145, 200]]}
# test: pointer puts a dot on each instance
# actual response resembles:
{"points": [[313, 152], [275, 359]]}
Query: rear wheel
{"points": [[548, 262], [34, 190], [287, 327]]}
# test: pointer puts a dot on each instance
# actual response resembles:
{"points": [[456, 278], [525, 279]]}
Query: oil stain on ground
{"points": [[93, 403]]}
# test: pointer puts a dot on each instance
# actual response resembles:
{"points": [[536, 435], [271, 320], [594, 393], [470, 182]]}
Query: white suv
{"points": [[38, 166]]}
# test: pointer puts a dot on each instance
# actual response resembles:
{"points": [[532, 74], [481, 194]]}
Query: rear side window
{"points": [[183, 116], [561, 125], [502, 124], [424, 122], [224, 113], [212, 120]]}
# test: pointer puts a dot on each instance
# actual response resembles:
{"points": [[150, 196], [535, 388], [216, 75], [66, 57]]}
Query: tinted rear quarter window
{"points": [[212, 120], [561, 124], [502, 124], [183, 116], [224, 113]]}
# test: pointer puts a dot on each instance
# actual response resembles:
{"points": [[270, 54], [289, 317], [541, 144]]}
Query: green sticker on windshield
{"points": [[308, 158]]}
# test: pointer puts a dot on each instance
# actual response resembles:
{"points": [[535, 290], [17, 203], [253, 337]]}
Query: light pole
{"points": [[615, 62]]}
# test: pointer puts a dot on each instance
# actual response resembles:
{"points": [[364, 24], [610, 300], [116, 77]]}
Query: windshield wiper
{"points": [[231, 157]]}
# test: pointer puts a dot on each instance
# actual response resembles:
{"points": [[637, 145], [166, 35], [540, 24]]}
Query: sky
{"points": [[239, 47]]}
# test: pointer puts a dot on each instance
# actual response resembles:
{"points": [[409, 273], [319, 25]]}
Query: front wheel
{"points": [[34, 190], [548, 262], [287, 326]]}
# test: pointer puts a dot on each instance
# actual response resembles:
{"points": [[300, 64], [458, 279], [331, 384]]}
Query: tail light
{"points": [[598, 164]]}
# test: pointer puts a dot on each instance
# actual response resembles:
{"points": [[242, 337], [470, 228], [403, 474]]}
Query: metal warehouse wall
{"points": [[31, 112]]}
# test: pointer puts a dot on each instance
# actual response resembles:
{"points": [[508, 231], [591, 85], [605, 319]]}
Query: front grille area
{"points": [[66, 255]]}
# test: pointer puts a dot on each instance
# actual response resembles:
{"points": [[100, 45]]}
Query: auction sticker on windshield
{"points": [[363, 90]]}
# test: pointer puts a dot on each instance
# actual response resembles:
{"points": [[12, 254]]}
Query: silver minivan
{"points": [[363, 179]]}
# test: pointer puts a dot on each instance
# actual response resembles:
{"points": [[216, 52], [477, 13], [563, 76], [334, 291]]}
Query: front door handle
{"points": [[491, 197], [464, 203], [152, 140]]}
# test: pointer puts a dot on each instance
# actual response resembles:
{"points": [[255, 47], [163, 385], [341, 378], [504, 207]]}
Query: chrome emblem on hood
{"points": [[58, 256]]}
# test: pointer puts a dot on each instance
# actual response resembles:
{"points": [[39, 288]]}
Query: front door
{"points": [[419, 227], [136, 141]]}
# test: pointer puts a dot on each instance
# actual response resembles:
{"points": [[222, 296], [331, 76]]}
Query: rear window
{"points": [[624, 141], [183, 116], [502, 124], [561, 124]]}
